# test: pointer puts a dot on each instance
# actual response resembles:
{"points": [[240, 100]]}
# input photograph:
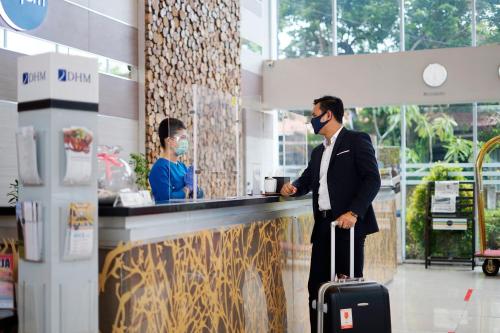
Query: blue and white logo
{"points": [[61, 75], [31, 77], [23, 14], [64, 75]]}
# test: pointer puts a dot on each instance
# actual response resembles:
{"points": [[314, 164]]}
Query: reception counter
{"points": [[218, 266], [233, 265]]}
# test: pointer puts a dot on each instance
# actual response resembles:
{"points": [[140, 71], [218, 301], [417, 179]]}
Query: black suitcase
{"points": [[352, 305]]}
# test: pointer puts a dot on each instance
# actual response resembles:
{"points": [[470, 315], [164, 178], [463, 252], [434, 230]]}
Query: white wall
{"points": [[384, 79], [119, 131]]}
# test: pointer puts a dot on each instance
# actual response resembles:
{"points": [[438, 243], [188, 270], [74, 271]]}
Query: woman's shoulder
{"points": [[159, 164]]}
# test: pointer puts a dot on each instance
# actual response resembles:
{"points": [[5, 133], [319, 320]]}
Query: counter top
{"points": [[183, 205], [7, 211]]}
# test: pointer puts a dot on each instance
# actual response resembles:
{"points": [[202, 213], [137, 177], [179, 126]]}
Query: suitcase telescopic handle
{"points": [[333, 226]]}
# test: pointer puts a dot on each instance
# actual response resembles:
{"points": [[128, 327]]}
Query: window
{"points": [[488, 125], [26, 44], [305, 28], [292, 140], [119, 69], [439, 147], [367, 26], [432, 24], [439, 133], [251, 46], [383, 125], [488, 21]]}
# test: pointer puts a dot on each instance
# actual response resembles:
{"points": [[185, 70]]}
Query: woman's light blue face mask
{"points": [[182, 145]]}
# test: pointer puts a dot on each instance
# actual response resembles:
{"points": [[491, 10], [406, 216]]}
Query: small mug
{"points": [[270, 185]]}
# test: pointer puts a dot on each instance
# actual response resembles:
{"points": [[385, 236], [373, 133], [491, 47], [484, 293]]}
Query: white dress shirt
{"points": [[324, 196]]}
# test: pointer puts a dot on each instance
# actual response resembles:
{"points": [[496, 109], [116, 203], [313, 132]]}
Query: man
{"points": [[344, 178]]}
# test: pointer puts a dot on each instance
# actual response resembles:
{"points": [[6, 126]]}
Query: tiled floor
{"points": [[433, 300]]}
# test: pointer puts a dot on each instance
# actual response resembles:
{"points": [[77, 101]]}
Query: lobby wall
{"points": [[188, 44]]}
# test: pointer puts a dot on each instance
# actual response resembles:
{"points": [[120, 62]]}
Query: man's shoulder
{"points": [[356, 134]]}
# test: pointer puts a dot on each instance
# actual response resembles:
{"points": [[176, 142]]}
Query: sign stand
{"points": [[57, 92]]}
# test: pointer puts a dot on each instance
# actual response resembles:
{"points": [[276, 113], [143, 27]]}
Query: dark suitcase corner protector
{"points": [[388, 307]]}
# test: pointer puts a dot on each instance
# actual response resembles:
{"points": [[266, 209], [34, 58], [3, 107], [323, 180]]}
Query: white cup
{"points": [[270, 185]]}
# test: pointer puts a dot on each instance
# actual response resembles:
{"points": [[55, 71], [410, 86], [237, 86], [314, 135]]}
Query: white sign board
{"points": [[57, 76]]}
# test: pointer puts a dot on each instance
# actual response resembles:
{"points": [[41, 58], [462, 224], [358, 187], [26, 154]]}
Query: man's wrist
{"points": [[353, 214]]}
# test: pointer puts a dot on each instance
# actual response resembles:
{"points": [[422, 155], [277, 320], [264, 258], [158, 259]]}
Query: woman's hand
{"points": [[187, 192], [189, 178]]}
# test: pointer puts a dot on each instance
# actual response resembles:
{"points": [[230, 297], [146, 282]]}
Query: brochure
{"points": [[78, 147], [80, 231], [6, 281], [446, 188], [30, 226], [27, 156], [443, 204]]}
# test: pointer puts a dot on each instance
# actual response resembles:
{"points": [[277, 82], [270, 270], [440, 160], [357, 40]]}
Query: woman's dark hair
{"points": [[168, 128], [333, 104]]}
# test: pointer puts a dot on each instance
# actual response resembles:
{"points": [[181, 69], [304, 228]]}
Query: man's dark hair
{"points": [[168, 128], [333, 104]]}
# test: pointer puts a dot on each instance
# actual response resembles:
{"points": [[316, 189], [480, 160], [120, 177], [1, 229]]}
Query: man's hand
{"points": [[288, 189], [346, 221]]}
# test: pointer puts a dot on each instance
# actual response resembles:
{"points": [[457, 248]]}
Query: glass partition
{"points": [[216, 132]]}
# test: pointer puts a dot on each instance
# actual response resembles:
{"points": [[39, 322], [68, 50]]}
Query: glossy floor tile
{"points": [[434, 300]]}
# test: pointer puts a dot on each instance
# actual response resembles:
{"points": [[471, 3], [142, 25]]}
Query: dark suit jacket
{"points": [[353, 182]]}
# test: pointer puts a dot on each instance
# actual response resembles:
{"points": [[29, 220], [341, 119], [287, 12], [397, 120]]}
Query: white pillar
{"points": [[58, 296]]}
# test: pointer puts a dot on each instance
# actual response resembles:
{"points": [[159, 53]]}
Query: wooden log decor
{"points": [[194, 45]]}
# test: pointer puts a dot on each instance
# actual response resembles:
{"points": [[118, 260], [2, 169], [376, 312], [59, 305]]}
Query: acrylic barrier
{"points": [[216, 143]]}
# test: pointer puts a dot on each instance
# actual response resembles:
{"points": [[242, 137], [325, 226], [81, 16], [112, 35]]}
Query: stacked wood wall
{"points": [[194, 42]]}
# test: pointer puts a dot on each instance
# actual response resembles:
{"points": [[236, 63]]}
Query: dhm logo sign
{"points": [[23, 14], [64, 75], [31, 77]]}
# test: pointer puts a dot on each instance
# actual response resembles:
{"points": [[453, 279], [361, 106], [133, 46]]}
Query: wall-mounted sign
{"points": [[435, 75], [23, 14]]}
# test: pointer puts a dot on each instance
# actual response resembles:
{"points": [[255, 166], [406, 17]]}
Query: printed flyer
{"points": [[80, 231], [78, 147], [6, 281]]}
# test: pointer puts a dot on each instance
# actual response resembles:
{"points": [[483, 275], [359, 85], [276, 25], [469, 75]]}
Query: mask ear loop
{"points": [[323, 114]]}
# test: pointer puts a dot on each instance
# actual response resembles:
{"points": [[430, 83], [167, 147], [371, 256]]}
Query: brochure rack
{"points": [[58, 99], [460, 221]]}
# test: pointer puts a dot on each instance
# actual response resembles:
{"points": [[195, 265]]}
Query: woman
{"points": [[169, 177]]}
